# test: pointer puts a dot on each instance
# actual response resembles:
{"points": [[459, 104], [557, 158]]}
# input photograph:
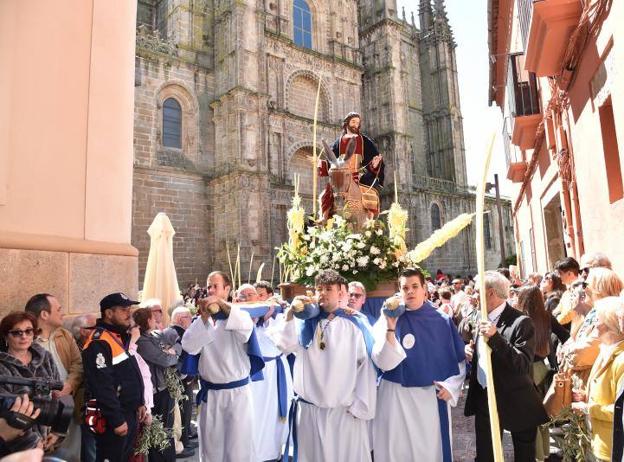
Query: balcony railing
{"points": [[524, 103], [436, 184], [522, 87]]}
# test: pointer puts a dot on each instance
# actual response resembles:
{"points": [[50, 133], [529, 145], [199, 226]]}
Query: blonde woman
{"points": [[606, 377], [580, 353]]}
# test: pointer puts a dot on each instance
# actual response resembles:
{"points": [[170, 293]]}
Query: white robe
{"points": [[226, 418], [270, 430], [407, 424], [340, 381]]}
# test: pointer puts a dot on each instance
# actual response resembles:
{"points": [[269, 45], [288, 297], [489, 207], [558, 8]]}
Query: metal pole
{"points": [[501, 229]]}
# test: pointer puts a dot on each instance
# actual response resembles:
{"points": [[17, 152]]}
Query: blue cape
{"points": [[437, 350]]}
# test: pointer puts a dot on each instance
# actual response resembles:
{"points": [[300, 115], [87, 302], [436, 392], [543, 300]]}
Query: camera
{"points": [[54, 413]]}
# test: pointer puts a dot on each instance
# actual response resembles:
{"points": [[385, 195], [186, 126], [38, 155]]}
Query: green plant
{"points": [[174, 385], [153, 436], [511, 260], [574, 441]]}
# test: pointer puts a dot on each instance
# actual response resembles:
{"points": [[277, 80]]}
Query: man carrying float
{"points": [[422, 358], [333, 376]]}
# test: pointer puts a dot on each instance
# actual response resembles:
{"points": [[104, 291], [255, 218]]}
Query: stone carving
{"points": [[149, 40]]}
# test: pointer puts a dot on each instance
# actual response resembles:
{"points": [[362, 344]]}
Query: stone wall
{"points": [[183, 197]]}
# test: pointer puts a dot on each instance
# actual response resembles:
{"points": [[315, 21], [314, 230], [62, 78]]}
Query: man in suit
{"points": [[511, 336]]}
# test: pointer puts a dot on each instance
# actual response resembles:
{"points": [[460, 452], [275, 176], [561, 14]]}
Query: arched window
{"points": [[302, 22], [436, 223], [172, 124]]}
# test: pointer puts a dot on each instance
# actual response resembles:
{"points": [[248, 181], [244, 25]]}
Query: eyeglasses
{"points": [[356, 295], [20, 333]]}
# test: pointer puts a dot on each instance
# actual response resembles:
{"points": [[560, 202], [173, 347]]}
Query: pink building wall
{"points": [[66, 82]]}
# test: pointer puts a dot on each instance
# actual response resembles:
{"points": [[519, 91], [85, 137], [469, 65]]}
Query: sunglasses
{"points": [[20, 333], [356, 295]]}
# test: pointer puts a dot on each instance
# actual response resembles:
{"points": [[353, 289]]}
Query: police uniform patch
{"points": [[100, 362]]}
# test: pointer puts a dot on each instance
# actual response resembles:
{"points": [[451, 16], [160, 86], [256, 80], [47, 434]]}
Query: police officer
{"points": [[113, 380]]}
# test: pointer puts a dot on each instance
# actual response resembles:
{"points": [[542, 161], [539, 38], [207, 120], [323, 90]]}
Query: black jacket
{"points": [[513, 348], [112, 378], [618, 433]]}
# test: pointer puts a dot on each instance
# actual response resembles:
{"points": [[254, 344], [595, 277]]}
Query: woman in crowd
{"points": [[20, 357], [606, 377], [158, 358], [531, 302], [445, 302], [580, 352], [552, 288]]}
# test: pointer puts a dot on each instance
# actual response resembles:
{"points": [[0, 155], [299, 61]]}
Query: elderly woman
{"points": [[606, 377], [158, 357], [580, 352], [20, 357]]}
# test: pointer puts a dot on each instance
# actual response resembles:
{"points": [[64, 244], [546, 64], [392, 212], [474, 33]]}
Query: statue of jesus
{"points": [[366, 166]]}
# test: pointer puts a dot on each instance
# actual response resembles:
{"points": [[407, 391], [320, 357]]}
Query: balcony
{"points": [[516, 165], [552, 25], [524, 104]]}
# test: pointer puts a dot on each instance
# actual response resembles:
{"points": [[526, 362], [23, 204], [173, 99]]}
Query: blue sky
{"points": [[468, 20]]}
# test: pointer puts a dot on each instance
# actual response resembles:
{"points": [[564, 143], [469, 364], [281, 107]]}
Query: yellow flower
{"points": [[397, 221]]}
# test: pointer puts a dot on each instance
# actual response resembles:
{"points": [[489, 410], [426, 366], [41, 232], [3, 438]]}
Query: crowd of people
{"points": [[342, 383]]}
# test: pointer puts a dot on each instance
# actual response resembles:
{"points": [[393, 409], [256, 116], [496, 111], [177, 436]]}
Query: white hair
{"points": [[595, 260], [498, 282], [245, 287], [607, 310], [80, 322], [179, 311], [150, 303], [359, 285]]}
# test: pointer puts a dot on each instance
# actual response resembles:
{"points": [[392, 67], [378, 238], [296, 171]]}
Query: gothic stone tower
{"points": [[224, 102]]}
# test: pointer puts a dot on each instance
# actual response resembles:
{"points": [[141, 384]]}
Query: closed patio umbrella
{"points": [[161, 281]]}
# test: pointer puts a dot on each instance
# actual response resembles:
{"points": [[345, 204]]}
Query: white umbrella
{"points": [[161, 281]]}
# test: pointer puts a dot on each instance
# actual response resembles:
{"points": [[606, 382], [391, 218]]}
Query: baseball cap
{"points": [[116, 299]]}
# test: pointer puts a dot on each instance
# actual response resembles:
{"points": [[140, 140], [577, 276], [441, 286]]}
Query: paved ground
{"points": [[463, 438]]}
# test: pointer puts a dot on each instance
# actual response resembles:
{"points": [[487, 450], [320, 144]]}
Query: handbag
{"points": [[559, 395]]}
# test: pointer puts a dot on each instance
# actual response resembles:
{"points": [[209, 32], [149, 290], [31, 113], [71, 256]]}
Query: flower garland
{"points": [[369, 256]]}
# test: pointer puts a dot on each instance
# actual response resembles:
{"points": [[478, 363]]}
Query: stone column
{"points": [[67, 70]]}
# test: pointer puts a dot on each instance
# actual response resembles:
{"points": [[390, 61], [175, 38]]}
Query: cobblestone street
{"points": [[463, 437], [464, 440]]}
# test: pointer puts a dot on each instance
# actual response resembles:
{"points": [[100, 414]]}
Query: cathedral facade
{"points": [[225, 94]]}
